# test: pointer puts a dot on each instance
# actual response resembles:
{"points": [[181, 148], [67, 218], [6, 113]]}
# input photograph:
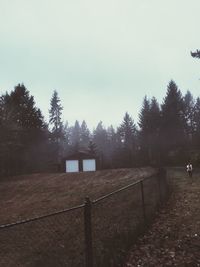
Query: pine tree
{"points": [[100, 136], [155, 126], [195, 54], [127, 131], [57, 129], [197, 124], [26, 114], [84, 135], [189, 116], [92, 148], [144, 133], [66, 138], [113, 147], [75, 137], [23, 130], [144, 115], [149, 135], [55, 114], [111, 138], [100, 139], [173, 124]]}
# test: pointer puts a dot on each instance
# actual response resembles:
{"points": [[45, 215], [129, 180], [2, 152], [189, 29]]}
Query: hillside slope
{"points": [[27, 196], [174, 238]]}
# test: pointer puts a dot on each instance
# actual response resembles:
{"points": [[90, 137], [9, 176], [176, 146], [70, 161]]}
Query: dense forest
{"points": [[166, 134]]}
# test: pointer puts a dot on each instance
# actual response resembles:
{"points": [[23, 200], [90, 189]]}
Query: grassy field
{"points": [[58, 241], [27, 196]]}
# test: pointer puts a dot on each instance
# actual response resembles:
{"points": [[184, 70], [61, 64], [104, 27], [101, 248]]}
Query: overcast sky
{"points": [[102, 56]]}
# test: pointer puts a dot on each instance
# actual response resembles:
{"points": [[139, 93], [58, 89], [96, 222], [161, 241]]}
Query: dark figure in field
{"points": [[189, 169]]}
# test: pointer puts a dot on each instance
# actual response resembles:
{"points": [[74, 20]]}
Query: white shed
{"points": [[79, 162]]}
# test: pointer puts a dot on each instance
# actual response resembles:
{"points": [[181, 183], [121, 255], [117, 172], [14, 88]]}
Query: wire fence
{"points": [[95, 234]]}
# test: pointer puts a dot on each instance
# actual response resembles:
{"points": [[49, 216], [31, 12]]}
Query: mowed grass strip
{"points": [[27, 196]]}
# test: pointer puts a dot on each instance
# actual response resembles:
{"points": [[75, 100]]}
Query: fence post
{"points": [[143, 203], [159, 177], [162, 178], [88, 233]]}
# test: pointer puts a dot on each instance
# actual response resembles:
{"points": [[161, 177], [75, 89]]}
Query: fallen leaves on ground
{"points": [[174, 237]]}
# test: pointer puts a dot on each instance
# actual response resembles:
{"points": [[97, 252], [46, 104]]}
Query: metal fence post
{"points": [[162, 178], [159, 189], [88, 233], [143, 203]]}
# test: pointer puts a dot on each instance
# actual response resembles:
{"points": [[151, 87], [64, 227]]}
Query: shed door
{"points": [[72, 166], [89, 165]]}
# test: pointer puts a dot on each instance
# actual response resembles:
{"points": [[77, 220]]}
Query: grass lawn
{"points": [[58, 241], [27, 196]]}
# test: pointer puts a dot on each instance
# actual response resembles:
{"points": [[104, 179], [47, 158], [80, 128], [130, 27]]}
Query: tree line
{"points": [[166, 134]]}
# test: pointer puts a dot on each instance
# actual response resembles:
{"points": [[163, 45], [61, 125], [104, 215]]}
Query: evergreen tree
{"points": [[155, 125], [57, 129], [195, 54], [100, 139], [23, 131], [112, 139], [144, 133], [189, 116], [75, 137], [66, 138], [112, 148], [100, 136], [144, 115], [84, 135], [9, 140], [26, 115], [173, 125], [197, 125], [149, 122], [55, 114], [127, 131], [92, 148]]}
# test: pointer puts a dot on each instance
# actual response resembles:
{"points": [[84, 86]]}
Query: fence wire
{"points": [[50, 242], [115, 221]]}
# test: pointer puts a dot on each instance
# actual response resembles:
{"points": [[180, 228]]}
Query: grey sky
{"points": [[101, 56]]}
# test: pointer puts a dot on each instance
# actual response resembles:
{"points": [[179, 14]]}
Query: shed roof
{"points": [[80, 155]]}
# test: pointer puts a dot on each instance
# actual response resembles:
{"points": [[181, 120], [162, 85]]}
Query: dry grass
{"points": [[58, 241], [27, 196]]}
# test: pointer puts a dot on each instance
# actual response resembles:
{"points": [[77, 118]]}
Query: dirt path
{"points": [[174, 238]]}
